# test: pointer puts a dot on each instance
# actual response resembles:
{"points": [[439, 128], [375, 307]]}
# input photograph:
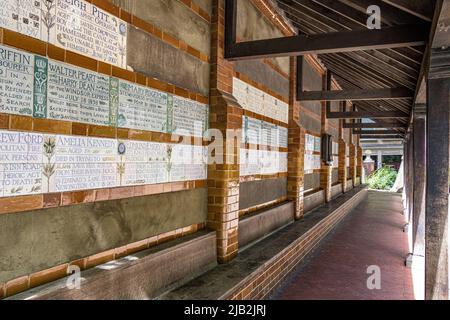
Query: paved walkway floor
{"points": [[370, 236]]}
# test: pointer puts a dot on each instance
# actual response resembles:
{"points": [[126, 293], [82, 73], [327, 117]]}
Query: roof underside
{"points": [[371, 69]]}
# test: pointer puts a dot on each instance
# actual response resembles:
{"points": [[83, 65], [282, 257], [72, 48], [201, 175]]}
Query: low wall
{"points": [[262, 223], [349, 185], [266, 278], [336, 190], [258, 270], [314, 200], [143, 275]]}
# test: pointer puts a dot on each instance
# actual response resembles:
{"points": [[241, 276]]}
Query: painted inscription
{"points": [[142, 108], [81, 27], [16, 81], [75, 25], [256, 100], [76, 94], [78, 163], [20, 163], [40, 163], [43, 88]]}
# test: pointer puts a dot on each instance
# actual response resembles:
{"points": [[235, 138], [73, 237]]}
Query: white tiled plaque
{"points": [[23, 16], [76, 94], [20, 163], [16, 81], [142, 163], [75, 25], [81, 162], [86, 29], [142, 108], [189, 117]]}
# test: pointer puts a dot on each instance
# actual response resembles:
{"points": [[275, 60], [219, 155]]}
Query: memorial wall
{"points": [[72, 187], [35, 86], [104, 115]]}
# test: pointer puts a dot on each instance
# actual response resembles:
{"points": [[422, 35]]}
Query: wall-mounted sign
{"points": [[16, 81], [257, 101], [311, 162], [256, 131], [75, 25], [36, 86], [264, 162], [33, 163]]}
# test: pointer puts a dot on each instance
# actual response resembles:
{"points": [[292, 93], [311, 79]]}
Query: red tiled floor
{"points": [[371, 235]]}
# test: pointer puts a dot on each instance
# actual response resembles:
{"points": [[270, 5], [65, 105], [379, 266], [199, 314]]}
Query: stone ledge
{"points": [[336, 190], [143, 275], [314, 200], [255, 272], [261, 223]]}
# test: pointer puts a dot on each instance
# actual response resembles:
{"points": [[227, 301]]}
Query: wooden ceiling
{"points": [[370, 69]]}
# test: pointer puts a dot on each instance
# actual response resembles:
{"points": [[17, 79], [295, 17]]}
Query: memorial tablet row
{"points": [[75, 25], [260, 132], [312, 162], [33, 163], [257, 101], [253, 162], [312, 143], [36, 86]]}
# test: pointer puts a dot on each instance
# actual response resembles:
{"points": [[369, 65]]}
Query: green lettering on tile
{"points": [[113, 100], [40, 87]]}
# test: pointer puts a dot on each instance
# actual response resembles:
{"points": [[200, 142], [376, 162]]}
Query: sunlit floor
{"points": [[363, 258]]}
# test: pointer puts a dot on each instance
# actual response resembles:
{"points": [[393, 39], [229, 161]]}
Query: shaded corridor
{"points": [[371, 235]]}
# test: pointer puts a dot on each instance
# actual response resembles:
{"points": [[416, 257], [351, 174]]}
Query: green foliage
{"points": [[382, 179]]}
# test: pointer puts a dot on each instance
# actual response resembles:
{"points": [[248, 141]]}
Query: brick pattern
{"points": [[199, 11], [52, 200], [260, 86], [263, 147], [25, 123], [262, 282], [326, 180], [353, 162], [32, 45], [150, 28], [225, 115], [342, 166], [271, 64], [359, 162], [33, 280], [266, 205], [296, 149], [257, 177], [268, 10]]}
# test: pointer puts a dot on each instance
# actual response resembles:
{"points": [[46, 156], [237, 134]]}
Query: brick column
{"points": [[325, 180], [296, 148], [326, 171], [353, 162], [359, 162], [226, 119], [342, 164]]}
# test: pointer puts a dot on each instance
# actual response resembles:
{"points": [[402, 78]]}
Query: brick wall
{"points": [[263, 281]]}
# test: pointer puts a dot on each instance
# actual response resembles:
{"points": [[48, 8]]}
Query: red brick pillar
{"points": [[325, 180], [226, 119], [353, 162], [342, 164], [296, 147], [359, 162], [326, 171]]}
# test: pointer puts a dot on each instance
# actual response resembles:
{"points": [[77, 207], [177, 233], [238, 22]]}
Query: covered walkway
{"points": [[371, 235]]}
